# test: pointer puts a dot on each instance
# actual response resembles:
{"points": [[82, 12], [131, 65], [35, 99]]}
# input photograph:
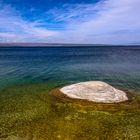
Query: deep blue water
{"points": [[118, 66]]}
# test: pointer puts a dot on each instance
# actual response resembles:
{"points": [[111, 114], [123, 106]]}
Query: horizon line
{"points": [[43, 44]]}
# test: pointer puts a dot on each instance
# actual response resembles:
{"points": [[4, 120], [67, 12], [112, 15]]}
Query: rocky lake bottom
{"points": [[31, 112]]}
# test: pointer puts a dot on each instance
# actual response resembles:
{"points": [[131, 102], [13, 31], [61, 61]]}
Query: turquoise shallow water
{"points": [[118, 66]]}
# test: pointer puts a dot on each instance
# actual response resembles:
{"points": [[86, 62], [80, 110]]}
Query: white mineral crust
{"points": [[96, 91]]}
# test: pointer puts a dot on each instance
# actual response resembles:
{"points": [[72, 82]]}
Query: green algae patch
{"points": [[32, 112]]}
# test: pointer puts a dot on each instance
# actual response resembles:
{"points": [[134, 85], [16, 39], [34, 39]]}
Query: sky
{"points": [[70, 21]]}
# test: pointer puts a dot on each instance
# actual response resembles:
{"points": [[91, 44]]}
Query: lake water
{"points": [[119, 66], [29, 112]]}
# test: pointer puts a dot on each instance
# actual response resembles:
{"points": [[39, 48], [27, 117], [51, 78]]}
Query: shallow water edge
{"points": [[30, 112]]}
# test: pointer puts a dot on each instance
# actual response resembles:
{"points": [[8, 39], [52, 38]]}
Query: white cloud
{"points": [[14, 29], [106, 22], [116, 21]]}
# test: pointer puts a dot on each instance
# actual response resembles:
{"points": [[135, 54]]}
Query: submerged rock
{"points": [[96, 91]]}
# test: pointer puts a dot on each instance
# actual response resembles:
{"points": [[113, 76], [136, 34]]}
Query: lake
{"points": [[28, 74], [119, 66]]}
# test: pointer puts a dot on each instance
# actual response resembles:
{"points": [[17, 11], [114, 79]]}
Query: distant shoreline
{"points": [[60, 45]]}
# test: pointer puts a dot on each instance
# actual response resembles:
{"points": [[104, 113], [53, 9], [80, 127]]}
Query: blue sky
{"points": [[73, 21]]}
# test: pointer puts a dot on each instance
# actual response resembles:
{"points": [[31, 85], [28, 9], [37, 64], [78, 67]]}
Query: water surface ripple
{"points": [[118, 66]]}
